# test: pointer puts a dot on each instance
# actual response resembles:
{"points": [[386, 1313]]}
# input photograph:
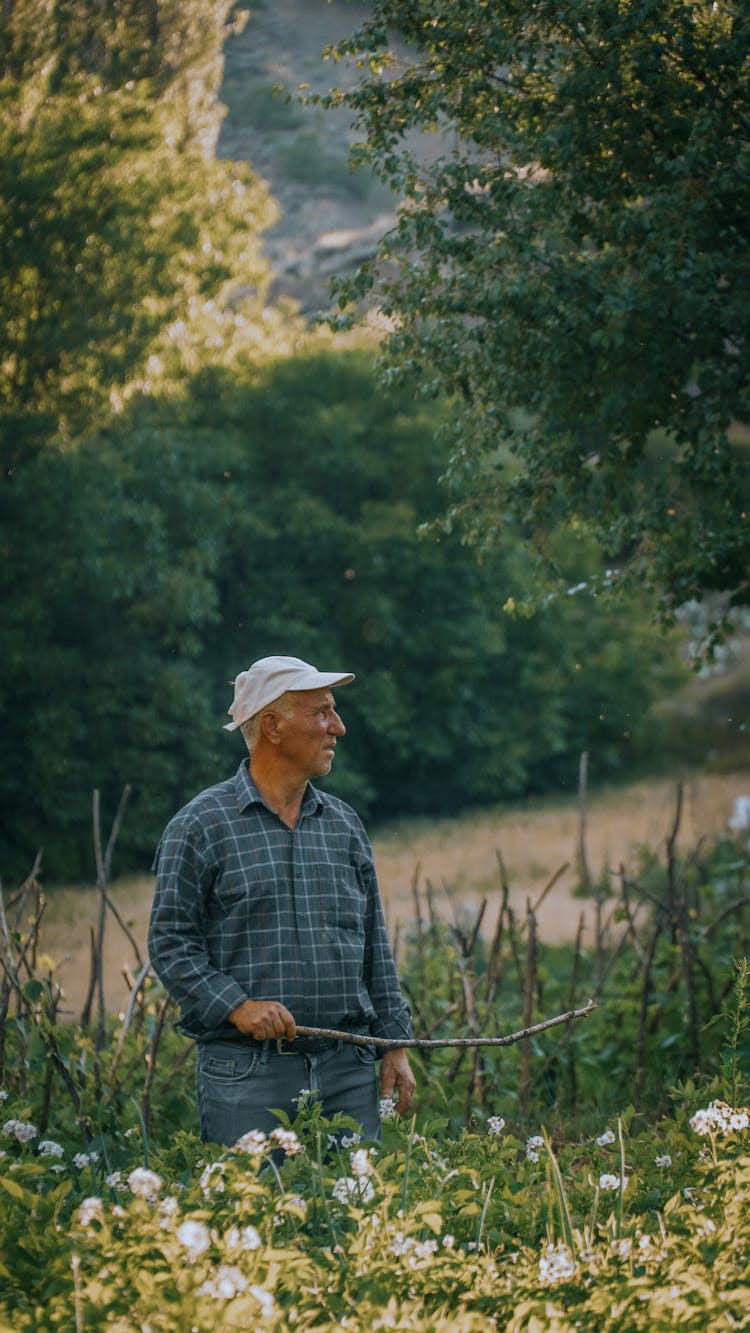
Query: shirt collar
{"points": [[247, 793]]}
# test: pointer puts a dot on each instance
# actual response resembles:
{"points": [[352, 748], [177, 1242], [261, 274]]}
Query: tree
{"points": [[572, 263], [277, 512], [116, 222]]}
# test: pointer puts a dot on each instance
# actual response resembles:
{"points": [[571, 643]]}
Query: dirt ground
{"points": [[458, 857]]}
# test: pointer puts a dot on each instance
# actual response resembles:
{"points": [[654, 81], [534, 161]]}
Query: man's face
{"points": [[310, 733]]}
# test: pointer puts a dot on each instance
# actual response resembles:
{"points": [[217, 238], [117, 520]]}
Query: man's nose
{"points": [[337, 726]]}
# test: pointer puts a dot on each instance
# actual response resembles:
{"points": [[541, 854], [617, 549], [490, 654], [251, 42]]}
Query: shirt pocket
{"points": [[344, 902]]}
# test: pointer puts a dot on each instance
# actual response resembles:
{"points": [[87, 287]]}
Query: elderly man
{"points": [[267, 915]]}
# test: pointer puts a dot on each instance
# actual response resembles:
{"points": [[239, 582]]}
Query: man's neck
{"points": [[281, 793]]}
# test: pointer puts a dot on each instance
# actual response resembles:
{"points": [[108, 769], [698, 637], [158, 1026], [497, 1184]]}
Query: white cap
{"points": [[271, 677]]}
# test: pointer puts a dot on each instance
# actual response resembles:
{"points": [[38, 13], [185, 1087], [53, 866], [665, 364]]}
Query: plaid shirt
{"points": [[247, 908]]}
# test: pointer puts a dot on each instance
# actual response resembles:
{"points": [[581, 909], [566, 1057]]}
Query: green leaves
{"points": [[577, 254]]}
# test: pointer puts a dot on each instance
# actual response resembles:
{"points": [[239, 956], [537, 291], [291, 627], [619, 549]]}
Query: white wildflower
{"points": [[360, 1163], [20, 1129], [350, 1140], [114, 1180], [167, 1209], [287, 1139], [3, 1095], [246, 1239], [195, 1237], [448, 1241], [555, 1264], [387, 1108], [495, 1124], [705, 1226], [56, 1166], [605, 1138], [608, 1181], [253, 1143], [144, 1183], [225, 1283], [719, 1118], [212, 1179], [48, 1148], [81, 1160], [264, 1298], [349, 1189], [131, 1133], [536, 1141], [622, 1247], [91, 1210], [663, 1161]]}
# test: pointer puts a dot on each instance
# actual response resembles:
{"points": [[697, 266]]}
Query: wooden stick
{"points": [[398, 1043]]}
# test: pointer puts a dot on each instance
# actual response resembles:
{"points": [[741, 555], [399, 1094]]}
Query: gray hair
{"points": [[251, 729]]}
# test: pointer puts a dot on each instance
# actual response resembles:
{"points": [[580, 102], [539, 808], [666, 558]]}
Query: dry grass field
{"points": [[458, 857]]}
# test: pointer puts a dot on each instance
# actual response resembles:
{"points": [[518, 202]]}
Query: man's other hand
{"points": [[395, 1072], [263, 1019]]}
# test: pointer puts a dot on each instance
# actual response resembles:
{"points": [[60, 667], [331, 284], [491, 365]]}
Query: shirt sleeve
{"points": [[392, 1017], [176, 937]]}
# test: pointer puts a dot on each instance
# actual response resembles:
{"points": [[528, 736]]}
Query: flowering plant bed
{"points": [[312, 1228]]}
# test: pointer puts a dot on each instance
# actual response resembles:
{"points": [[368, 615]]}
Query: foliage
{"points": [[141, 227], [266, 508], [421, 1231], [570, 261], [114, 1215]]}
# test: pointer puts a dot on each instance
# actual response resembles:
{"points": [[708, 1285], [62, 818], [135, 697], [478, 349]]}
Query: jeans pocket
{"points": [[227, 1066]]}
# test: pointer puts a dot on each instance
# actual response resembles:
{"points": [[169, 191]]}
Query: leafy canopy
{"points": [[571, 261], [116, 222]]}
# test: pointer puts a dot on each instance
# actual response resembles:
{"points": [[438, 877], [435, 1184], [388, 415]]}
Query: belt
{"points": [[303, 1045]]}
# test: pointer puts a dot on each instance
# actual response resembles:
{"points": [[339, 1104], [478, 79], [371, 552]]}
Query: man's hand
{"points": [[263, 1019], [395, 1072]]}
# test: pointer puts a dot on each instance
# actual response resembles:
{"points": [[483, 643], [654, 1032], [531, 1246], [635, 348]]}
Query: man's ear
{"points": [[270, 728]]}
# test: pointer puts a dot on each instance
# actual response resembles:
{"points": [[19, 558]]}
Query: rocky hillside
{"points": [[331, 217]]}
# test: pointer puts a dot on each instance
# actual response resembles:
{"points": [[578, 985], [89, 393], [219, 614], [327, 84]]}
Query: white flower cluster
{"points": [[84, 1159], [605, 1138], [48, 1148], [246, 1239], [414, 1250], [608, 1181], [287, 1139], [532, 1145], [212, 1179], [663, 1160], [353, 1189], [495, 1124], [253, 1143], [22, 1130], [226, 1282], [195, 1237], [555, 1265], [91, 1210], [146, 1184], [360, 1163], [387, 1108], [719, 1118]]}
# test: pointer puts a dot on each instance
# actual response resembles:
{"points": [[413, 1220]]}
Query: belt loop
{"points": [[264, 1050]]}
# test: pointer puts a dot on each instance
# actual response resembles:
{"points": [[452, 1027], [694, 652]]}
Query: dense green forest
{"points": [[193, 479]]}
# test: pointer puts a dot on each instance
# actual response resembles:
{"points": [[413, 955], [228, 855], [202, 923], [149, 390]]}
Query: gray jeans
{"points": [[238, 1086]]}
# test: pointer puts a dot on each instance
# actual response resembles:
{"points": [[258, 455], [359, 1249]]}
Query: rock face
{"points": [[331, 218]]}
